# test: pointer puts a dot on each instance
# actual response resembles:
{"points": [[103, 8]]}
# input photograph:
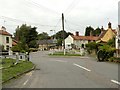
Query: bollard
{"points": [[17, 58]]}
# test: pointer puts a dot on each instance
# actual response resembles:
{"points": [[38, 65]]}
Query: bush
{"points": [[92, 46], [33, 49], [106, 52], [15, 48]]}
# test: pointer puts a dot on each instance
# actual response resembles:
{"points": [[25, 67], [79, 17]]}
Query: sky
{"points": [[46, 14]]}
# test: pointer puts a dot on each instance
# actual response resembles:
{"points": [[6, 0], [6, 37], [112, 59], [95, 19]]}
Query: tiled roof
{"points": [[104, 32], [91, 38], [2, 32], [41, 42], [14, 42]]}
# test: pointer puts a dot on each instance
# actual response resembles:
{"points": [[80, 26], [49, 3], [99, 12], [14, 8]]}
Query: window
{"points": [[7, 47], [7, 39]]}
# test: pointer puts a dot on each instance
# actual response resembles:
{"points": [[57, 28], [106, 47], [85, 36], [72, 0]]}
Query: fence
{"points": [[15, 55]]}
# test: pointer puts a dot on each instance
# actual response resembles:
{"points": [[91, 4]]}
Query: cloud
{"points": [[46, 13]]}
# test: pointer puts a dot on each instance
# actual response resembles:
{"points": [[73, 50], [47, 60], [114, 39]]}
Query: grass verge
{"points": [[62, 54], [14, 70]]}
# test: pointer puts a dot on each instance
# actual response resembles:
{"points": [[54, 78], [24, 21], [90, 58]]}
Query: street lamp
{"points": [[54, 39]]}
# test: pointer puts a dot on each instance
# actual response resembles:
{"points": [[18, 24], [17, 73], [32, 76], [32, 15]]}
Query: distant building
{"points": [[76, 41], [46, 44]]}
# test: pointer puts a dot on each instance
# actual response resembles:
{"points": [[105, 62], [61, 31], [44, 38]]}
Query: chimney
{"points": [[109, 25], [102, 29], [3, 28], [77, 33]]}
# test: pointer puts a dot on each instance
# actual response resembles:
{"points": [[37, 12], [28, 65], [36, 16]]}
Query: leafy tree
{"points": [[25, 35], [92, 46], [96, 32], [88, 30], [60, 36], [43, 36]]}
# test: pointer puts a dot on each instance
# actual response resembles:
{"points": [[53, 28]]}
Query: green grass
{"points": [[62, 54], [7, 62], [14, 70]]}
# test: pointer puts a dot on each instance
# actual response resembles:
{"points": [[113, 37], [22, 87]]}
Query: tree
{"points": [[88, 30], [32, 37], [26, 35], [96, 32], [43, 36], [60, 36]]}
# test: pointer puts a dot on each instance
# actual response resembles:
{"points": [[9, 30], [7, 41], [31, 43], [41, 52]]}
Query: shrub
{"points": [[92, 46], [107, 51]]}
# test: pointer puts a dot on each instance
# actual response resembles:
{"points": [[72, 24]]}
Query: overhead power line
{"points": [[41, 6], [71, 6], [25, 22]]}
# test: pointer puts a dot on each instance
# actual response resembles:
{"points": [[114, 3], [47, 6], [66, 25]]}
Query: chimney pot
{"points": [[77, 33]]}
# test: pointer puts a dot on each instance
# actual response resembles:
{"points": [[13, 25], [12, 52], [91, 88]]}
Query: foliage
{"points": [[27, 36], [92, 46], [60, 36], [59, 42], [96, 32], [33, 49], [62, 54], [16, 48], [43, 36], [106, 52], [88, 30], [111, 42], [107, 48]]}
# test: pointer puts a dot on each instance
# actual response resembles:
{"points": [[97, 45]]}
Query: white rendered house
{"points": [[78, 40]]}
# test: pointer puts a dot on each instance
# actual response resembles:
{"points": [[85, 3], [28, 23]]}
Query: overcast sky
{"points": [[46, 14]]}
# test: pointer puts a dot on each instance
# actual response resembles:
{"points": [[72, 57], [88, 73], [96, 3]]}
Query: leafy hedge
{"points": [[105, 52]]}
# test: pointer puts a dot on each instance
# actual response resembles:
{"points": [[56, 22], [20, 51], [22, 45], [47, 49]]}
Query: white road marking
{"points": [[30, 74], [114, 81], [81, 67], [25, 82]]}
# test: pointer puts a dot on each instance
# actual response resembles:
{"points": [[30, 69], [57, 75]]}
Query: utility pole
{"points": [[118, 41], [63, 33]]}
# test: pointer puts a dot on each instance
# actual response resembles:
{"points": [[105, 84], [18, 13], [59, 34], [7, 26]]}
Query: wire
{"points": [[73, 23], [41, 6], [16, 20], [70, 27], [71, 6]]}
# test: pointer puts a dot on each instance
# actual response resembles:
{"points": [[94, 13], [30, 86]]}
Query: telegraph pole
{"points": [[63, 33]]}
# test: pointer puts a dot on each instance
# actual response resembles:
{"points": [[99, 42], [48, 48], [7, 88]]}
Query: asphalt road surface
{"points": [[67, 72]]}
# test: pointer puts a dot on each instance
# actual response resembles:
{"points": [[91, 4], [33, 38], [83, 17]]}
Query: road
{"points": [[67, 72]]}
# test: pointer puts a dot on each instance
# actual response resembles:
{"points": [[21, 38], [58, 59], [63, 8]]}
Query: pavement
{"points": [[67, 72]]}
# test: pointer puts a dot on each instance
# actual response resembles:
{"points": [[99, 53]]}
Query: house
{"points": [[108, 34], [5, 39], [46, 44], [76, 41]]}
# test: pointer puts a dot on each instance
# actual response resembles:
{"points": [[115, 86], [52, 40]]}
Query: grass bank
{"points": [[62, 54], [14, 70]]}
